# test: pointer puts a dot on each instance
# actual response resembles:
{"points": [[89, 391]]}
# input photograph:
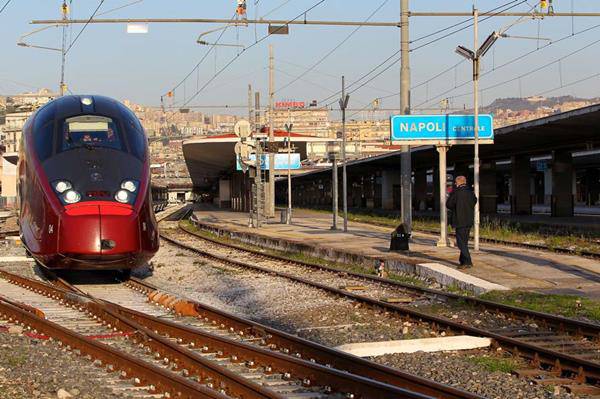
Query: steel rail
{"points": [[301, 348], [561, 323], [584, 369], [311, 373], [224, 379], [129, 366], [146, 328]]}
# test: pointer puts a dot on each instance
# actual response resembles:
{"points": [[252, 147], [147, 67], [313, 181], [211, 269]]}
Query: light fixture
{"points": [[487, 44], [122, 196], [62, 185], [465, 52], [129, 185], [71, 197]]}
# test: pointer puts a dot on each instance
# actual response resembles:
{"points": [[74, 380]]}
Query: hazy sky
{"points": [[141, 67]]}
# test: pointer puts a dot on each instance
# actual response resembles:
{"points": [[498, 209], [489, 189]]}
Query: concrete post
{"points": [[562, 184], [520, 202], [487, 195], [443, 241]]}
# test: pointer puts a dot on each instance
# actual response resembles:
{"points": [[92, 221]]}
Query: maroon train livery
{"points": [[84, 186]]}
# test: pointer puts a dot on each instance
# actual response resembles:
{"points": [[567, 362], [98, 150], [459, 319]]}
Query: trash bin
{"points": [[399, 239]]}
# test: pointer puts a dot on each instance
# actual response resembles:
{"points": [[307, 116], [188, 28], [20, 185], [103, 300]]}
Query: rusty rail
{"points": [[129, 366], [145, 329], [301, 348], [584, 370], [560, 323]]}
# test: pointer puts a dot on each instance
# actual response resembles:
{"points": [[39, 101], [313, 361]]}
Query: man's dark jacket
{"points": [[461, 202]]}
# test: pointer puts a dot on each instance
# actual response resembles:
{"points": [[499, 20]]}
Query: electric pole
{"points": [[476, 124], [288, 127], [271, 207], [258, 186], [251, 121], [405, 160], [63, 49]]}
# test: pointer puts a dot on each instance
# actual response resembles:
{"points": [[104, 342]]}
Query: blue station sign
{"points": [[281, 161], [441, 129]]}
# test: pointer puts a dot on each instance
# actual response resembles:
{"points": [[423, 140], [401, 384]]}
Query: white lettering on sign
{"points": [[468, 128], [422, 127]]}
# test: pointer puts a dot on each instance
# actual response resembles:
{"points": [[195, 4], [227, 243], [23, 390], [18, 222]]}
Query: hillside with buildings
{"points": [[168, 128]]}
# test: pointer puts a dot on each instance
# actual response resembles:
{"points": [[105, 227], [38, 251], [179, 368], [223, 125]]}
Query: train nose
{"points": [[99, 228]]}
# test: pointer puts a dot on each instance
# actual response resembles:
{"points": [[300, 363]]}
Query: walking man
{"points": [[462, 203]]}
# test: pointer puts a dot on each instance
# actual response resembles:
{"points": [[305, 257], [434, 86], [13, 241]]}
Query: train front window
{"points": [[91, 131]]}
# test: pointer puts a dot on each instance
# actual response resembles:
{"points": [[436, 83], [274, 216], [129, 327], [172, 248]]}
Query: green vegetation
{"points": [[563, 305], [15, 360], [503, 230], [493, 364]]}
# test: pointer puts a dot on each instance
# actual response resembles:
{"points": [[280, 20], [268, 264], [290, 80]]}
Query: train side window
{"points": [[43, 132], [135, 135]]}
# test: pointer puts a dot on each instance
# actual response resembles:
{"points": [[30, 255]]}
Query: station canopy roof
{"points": [[575, 130], [211, 157]]}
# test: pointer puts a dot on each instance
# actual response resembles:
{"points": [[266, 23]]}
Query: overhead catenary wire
{"points": [[470, 25], [84, 26], [509, 4], [221, 70], [275, 9], [513, 60], [120, 7], [528, 73], [206, 54], [460, 23], [333, 50], [5, 5]]}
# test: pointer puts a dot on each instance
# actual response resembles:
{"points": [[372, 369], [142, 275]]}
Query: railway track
{"points": [[562, 351], [183, 349]]}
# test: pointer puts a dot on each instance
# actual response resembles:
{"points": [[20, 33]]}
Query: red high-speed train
{"points": [[84, 186]]}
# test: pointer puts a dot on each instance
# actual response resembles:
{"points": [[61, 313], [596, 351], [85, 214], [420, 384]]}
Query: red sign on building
{"points": [[289, 104]]}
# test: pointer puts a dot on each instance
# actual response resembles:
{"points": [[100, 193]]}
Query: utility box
{"points": [[399, 239]]}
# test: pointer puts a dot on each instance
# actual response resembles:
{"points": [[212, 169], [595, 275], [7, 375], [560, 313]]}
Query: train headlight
{"points": [[71, 197], [122, 196], [62, 185], [129, 185]]}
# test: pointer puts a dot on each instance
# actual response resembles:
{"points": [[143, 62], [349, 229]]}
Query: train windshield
{"points": [[91, 131]]}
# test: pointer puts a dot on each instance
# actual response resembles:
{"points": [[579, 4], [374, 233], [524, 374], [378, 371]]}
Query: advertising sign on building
{"points": [[441, 129], [285, 104]]}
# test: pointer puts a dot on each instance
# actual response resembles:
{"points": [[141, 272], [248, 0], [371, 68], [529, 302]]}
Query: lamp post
{"points": [[288, 127], [343, 105], [475, 57]]}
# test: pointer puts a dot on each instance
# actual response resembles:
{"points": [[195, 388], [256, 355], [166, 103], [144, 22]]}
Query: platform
{"points": [[506, 266]]}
